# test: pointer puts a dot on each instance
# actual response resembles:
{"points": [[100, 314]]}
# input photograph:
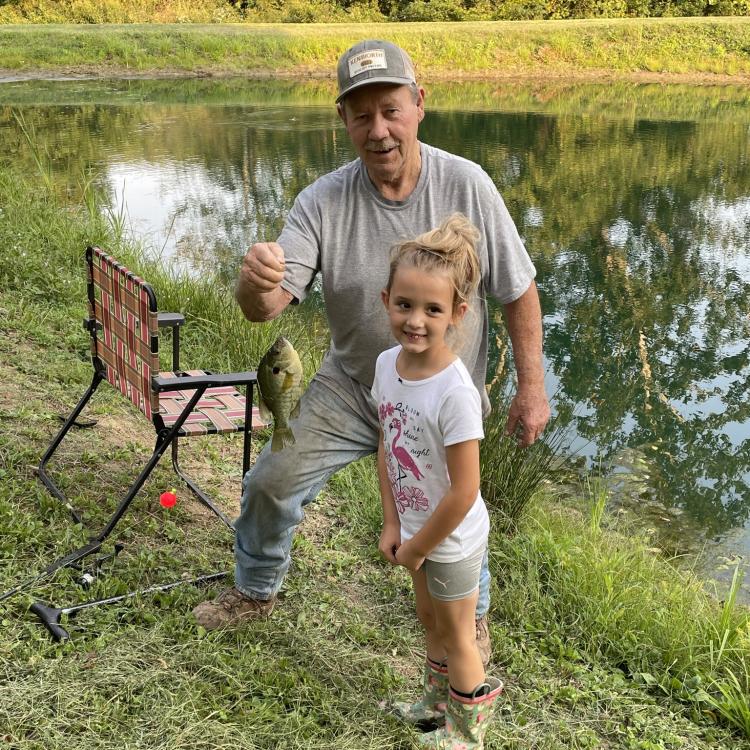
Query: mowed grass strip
{"points": [[685, 46]]}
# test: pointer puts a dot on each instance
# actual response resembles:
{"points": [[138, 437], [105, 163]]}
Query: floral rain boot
{"points": [[429, 711], [466, 720]]}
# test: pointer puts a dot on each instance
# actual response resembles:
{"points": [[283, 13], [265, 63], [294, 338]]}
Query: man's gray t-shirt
{"points": [[344, 228]]}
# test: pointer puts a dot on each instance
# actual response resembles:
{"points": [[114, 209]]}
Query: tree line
{"points": [[481, 10], [333, 11]]}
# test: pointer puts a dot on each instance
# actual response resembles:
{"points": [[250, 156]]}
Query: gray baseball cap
{"points": [[373, 61]]}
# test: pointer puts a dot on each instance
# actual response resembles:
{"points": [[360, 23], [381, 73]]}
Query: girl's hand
{"points": [[407, 556], [390, 541]]}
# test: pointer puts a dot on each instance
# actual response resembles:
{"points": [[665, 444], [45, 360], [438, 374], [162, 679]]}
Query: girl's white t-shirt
{"points": [[419, 419]]}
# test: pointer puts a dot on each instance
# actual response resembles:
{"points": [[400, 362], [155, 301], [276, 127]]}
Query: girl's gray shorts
{"points": [[453, 580]]}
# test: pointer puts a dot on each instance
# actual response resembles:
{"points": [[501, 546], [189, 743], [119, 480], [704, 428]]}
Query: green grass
{"points": [[625, 47], [602, 643]]}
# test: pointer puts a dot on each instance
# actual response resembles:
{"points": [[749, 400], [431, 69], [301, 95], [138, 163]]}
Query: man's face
{"points": [[382, 121]]}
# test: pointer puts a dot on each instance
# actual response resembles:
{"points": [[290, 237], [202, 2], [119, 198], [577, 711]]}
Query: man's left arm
{"points": [[529, 408]]}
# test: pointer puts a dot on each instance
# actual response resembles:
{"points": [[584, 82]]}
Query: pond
{"points": [[633, 201]]}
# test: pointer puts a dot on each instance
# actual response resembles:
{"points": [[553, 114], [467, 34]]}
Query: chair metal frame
{"points": [[123, 324]]}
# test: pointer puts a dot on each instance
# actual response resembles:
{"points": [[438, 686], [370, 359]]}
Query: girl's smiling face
{"points": [[420, 307]]}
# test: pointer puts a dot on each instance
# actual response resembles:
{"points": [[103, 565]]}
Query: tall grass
{"points": [[580, 586], [510, 474], [216, 336], [606, 592]]}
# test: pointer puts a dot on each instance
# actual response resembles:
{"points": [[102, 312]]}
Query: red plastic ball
{"points": [[168, 499]]}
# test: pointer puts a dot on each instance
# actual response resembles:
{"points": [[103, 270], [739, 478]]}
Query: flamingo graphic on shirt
{"points": [[399, 461], [405, 461]]}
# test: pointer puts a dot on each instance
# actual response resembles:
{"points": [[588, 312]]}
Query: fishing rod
{"points": [[50, 616], [61, 562]]}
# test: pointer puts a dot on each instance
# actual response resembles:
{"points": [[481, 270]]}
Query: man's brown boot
{"points": [[231, 608], [483, 640]]}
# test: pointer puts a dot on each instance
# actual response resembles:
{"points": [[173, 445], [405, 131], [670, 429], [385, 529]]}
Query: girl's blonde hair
{"points": [[449, 248]]}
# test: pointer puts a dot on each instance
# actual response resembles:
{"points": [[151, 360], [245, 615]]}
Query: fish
{"points": [[280, 385]]}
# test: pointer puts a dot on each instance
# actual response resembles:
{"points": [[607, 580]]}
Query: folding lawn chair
{"points": [[124, 326]]}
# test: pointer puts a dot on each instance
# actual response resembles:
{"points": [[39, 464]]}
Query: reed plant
{"points": [[510, 474]]}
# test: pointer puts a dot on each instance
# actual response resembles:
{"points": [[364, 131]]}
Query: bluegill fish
{"points": [[280, 385]]}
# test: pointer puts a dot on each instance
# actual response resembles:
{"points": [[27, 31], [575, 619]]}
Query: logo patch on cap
{"points": [[372, 59]]}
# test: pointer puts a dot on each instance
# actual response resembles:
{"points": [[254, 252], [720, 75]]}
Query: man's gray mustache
{"points": [[381, 145]]}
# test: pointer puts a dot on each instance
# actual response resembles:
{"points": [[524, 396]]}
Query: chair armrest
{"points": [[189, 382], [170, 319], [92, 325]]}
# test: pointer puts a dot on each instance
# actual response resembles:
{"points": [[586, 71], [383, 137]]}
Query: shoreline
{"points": [[592, 76]]}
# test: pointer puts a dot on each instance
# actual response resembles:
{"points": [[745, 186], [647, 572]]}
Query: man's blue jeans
{"points": [[334, 429]]}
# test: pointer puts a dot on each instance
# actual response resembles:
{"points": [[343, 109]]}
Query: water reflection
{"points": [[634, 203]]}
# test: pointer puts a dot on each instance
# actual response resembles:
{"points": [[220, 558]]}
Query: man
{"points": [[344, 225]]}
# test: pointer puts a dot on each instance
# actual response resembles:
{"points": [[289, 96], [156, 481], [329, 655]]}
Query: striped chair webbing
{"points": [[219, 410], [125, 307]]}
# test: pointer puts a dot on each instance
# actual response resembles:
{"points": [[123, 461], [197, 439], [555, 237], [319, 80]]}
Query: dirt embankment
{"points": [[89, 72]]}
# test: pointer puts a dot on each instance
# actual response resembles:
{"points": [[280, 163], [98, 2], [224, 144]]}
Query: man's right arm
{"points": [[258, 291]]}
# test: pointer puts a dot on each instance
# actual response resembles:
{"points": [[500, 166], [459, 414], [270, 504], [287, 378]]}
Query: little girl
{"points": [[435, 522]]}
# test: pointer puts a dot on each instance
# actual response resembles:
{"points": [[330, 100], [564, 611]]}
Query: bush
{"points": [[437, 10], [118, 11], [521, 10], [358, 11]]}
